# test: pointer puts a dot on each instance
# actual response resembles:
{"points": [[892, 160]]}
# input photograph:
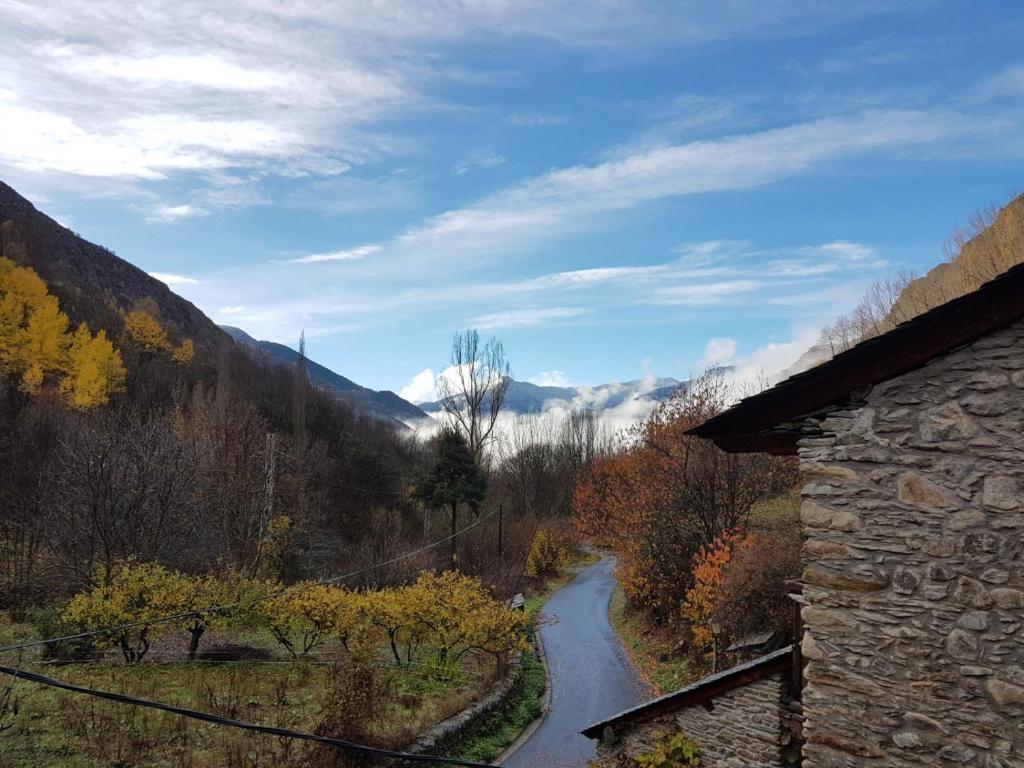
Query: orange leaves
{"points": [[702, 599]]}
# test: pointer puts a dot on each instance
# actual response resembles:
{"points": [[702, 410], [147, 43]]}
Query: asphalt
{"points": [[590, 675]]}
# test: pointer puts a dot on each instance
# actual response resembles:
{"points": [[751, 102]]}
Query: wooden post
{"points": [[501, 522]]}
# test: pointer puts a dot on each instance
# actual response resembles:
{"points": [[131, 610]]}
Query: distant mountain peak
{"points": [[383, 404]]}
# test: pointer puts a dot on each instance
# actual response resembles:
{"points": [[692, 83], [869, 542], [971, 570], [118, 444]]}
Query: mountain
{"points": [[384, 405], [996, 245], [524, 398], [91, 282]]}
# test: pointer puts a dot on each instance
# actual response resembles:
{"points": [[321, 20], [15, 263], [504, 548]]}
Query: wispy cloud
{"points": [[174, 280], [571, 199], [704, 294], [350, 254], [523, 318], [171, 213]]}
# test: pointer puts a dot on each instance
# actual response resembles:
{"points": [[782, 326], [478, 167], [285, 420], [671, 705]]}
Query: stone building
{"points": [[912, 648]]}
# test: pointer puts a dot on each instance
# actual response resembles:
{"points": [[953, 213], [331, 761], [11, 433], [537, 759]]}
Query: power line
{"points": [[240, 603], [207, 717]]}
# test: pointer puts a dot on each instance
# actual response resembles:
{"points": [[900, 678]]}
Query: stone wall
{"points": [[742, 731], [914, 596]]}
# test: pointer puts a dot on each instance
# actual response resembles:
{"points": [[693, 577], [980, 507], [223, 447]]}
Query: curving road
{"points": [[591, 678]]}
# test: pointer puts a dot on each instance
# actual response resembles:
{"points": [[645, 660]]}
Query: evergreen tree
{"points": [[454, 479]]}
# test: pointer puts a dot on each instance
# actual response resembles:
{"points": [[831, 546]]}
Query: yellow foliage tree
{"points": [[304, 616], [549, 554], [147, 334], [130, 593], [95, 370], [35, 343]]}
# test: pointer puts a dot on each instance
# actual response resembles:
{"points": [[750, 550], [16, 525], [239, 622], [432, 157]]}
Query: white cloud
{"points": [[170, 213], [480, 159], [420, 388], [718, 351], [550, 379], [523, 318], [703, 294], [169, 279], [844, 249], [350, 254], [571, 199], [235, 310]]}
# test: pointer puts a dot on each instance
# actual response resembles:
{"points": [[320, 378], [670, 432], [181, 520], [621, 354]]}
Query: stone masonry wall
{"points": [[742, 731], [914, 596]]}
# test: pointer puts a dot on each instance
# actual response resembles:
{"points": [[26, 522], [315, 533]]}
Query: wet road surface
{"points": [[591, 678]]}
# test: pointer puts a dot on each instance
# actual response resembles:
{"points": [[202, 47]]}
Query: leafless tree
{"points": [[473, 389]]}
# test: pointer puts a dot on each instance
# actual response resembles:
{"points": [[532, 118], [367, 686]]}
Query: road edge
{"points": [[545, 700]]}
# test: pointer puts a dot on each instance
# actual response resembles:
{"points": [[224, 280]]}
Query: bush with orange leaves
{"points": [[667, 494]]}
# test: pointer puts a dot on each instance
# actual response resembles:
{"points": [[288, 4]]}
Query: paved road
{"points": [[591, 678]]}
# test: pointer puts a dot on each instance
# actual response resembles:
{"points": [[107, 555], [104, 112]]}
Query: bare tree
{"points": [[473, 390]]}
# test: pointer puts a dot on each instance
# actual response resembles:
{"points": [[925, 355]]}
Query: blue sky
{"points": [[614, 189]]}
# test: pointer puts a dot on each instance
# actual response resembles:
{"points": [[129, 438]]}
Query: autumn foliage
{"points": [[38, 350], [666, 495], [437, 620]]}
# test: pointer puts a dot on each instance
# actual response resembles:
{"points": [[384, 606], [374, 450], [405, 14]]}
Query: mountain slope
{"points": [[524, 397], [92, 284], [385, 405]]}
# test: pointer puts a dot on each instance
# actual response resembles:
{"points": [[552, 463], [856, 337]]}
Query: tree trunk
{"points": [[193, 646]]}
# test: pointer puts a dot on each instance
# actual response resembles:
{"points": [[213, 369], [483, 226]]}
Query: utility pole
{"points": [[501, 520]]}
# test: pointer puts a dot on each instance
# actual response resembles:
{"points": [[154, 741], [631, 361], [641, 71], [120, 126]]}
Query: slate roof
{"points": [[702, 692]]}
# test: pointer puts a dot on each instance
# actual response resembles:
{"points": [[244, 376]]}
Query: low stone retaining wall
{"points": [[442, 737]]}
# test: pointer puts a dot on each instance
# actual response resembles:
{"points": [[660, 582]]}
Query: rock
{"points": [[1018, 379], [1000, 492], [945, 423], [961, 521], [969, 671], [976, 620], [1008, 599], [829, 472], [956, 753], [809, 648], [907, 740], [962, 645], [850, 747], [972, 593], [826, 549], [905, 581], [939, 572], [1005, 693], [995, 576], [815, 515], [987, 405], [844, 580], [916, 490]]}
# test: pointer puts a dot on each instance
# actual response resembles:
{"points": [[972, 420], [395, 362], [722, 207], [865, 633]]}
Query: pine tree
{"points": [[454, 479]]}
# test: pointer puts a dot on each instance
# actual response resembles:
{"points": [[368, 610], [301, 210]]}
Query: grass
{"points": [[650, 648], [54, 728], [501, 727]]}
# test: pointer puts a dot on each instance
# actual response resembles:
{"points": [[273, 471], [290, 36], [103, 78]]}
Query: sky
{"points": [[614, 189]]}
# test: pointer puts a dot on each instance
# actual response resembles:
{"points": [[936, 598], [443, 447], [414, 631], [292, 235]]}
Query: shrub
{"points": [[304, 616], [550, 554], [130, 593], [753, 596], [670, 751]]}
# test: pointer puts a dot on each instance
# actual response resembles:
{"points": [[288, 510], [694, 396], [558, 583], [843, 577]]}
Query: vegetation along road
{"points": [[591, 677]]}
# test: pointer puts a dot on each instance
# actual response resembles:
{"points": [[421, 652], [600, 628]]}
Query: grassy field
{"points": [[45, 727], [649, 647]]}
